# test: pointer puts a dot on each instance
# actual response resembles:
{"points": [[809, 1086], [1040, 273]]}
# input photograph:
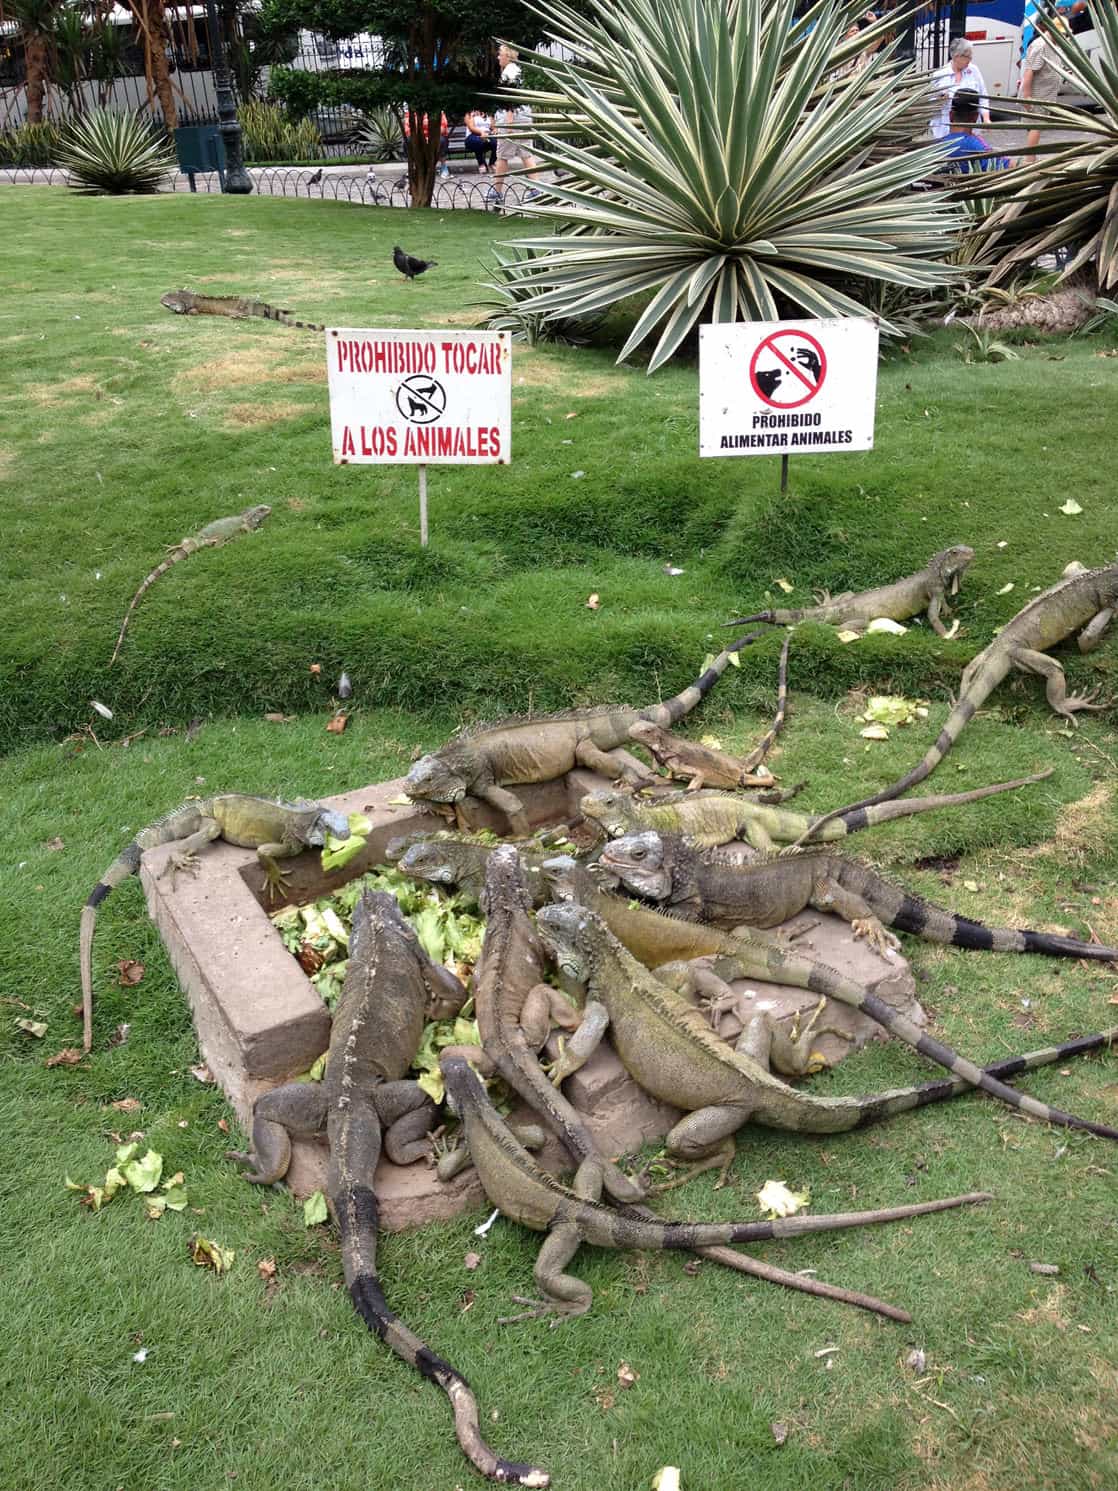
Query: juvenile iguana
{"points": [[926, 590], [1084, 602], [212, 536], [276, 830], [708, 819], [668, 1047], [572, 1215], [483, 761], [390, 985], [713, 887], [239, 307]]}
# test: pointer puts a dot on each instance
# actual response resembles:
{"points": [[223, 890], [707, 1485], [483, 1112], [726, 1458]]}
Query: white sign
{"points": [[787, 387], [430, 398]]}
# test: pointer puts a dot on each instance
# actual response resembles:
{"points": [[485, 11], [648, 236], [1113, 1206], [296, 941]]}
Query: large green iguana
{"points": [[239, 307], [926, 590], [1083, 602], [668, 1047], [483, 761], [572, 1215], [276, 830], [716, 887], [212, 536], [708, 819], [390, 986]]}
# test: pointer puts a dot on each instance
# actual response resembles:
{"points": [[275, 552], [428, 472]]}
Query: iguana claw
{"points": [[277, 881], [185, 860], [1075, 702], [540, 1309], [879, 939]]}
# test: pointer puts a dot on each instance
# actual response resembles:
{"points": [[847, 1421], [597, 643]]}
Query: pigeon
{"points": [[316, 178], [408, 266]]}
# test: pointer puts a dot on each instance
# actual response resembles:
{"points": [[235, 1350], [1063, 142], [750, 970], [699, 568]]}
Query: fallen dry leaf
{"points": [[266, 1268], [119, 1036], [471, 1261], [275, 718], [916, 1360], [315, 668], [55, 843], [202, 1072], [338, 723], [626, 1376], [37, 1028], [223, 1125], [68, 1056], [131, 972], [779, 1431], [468, 1298], [593, 601], [127, 1105]]}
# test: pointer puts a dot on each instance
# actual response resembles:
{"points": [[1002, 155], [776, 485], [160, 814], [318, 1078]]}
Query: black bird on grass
{"points": [[408, 266]]}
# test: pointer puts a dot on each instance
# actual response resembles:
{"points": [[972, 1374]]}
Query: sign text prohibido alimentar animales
{"points": [[420, 397], [787, 387]]}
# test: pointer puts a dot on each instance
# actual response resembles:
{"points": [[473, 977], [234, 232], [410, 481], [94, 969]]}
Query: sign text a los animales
{"points": [[419, 397]]}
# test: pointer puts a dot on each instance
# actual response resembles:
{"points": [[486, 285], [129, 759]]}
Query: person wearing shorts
{"points": [[513, 126], [1040, 83]]}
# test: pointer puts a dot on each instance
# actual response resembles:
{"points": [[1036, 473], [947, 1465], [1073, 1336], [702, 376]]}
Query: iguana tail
{"points": [[270, 313], [665, 715], [767, 741], [355, 1206], [180, 551], [858, 818]]}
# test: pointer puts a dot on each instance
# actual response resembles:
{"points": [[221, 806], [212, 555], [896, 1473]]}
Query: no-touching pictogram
{"points": [[788, 369], [420, 399]]}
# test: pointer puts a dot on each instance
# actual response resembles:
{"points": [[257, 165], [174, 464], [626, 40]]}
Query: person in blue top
{"points": [[965, 148]]}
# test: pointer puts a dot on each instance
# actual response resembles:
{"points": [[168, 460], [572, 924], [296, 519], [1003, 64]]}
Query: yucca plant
{"points": [[114, 153], [381, 137], [731, 172], [509, 307], [269, 134], [29, 145], [1068, 196]]}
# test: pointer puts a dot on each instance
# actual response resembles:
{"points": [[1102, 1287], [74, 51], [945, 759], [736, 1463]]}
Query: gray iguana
{"points": [[572, 1215], [708, 819], [716, 887], [390, 986], [485, 760], [668, 1047], [212, 536], [926, 590], [239, 307], [1083, 602], [276, 830]]}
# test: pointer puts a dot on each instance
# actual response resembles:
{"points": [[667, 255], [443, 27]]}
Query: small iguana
{"points": [[572, 1215], [926, 590], [668, 1047], [484, 760], [708, 819], [212, 536], [239, 307], [1083, 602], [276, 830], [390, 986], [718, 888]]}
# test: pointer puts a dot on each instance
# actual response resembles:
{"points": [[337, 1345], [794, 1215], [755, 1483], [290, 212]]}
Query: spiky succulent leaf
{"points": [[114, 153]]}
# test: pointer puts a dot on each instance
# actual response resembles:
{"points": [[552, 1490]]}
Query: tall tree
{"points": [[35, 19], [436, 58]]}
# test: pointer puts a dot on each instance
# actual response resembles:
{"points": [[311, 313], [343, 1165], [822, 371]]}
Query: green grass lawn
{"points": [[121, 430]]}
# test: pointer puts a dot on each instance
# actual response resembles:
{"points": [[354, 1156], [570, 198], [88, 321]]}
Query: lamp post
{"points": [[237, 179]]}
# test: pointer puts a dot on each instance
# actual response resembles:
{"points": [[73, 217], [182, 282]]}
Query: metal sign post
{"points": [[423, 506]]}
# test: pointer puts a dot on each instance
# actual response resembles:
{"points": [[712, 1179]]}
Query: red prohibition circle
{"points": [[770, 343]]}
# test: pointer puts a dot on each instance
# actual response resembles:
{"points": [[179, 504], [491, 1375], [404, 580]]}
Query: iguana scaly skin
{"points": [[670, 1050], [276, 830], [718, 888], [926, 590], [239, 307], [1084, 602], [483, 761], [212, 536], [709, 819], [390, 985], [460, 859], [571, 1215]]}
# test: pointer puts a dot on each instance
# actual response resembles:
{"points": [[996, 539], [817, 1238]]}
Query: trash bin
{"points": [[199, 147]]}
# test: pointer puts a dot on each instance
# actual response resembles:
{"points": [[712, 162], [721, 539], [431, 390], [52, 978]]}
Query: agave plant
{"points": [[1067, 197], [381, 137], [733, 173], [509, 308], [114, 153]]}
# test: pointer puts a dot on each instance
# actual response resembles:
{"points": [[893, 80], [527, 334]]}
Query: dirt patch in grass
{"points": [[252, 416], [302, 372], [46, 394], [251, 365]]}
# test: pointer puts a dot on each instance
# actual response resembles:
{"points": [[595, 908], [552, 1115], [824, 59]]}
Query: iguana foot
{"points": [[246, 1157], [787, 849], [562, 1067], [1076, 702], [181, 859], [277, 881], [881, 940], [540, 1309], [449, 1156], [721, 1160]]}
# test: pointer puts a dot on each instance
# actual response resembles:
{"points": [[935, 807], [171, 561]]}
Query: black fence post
{"points": [[237, 180]]}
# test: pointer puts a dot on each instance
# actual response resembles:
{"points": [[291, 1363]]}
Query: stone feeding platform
{"points": [[260, 1021]]}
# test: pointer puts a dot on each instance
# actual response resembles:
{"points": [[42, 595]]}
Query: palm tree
{"points": [[35, 19]]}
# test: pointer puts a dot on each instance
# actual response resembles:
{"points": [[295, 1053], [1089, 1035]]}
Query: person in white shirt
{"points": [[960, 72], [513, 127]]}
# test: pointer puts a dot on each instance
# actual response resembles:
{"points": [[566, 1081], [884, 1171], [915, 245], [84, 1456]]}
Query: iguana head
{"points": [[178, 301], [949, 565], [431, 779], [256, 515], [610, 808], [505, 882], [567, 879], [320, 821], [639, 861], [464, 1088], [563, 929], [432, 860]]}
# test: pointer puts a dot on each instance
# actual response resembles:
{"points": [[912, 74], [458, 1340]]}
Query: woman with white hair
{"points": [[960, 72]]}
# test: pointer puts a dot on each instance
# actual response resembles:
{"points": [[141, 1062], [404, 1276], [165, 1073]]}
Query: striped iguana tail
{"points": [[187, 302], [768, 740], [355, 1206], [852, 820], [667, 714]]}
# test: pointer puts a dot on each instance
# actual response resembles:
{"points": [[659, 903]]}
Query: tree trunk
{"points": [[423, 157], [37, 58], [157, 37]]}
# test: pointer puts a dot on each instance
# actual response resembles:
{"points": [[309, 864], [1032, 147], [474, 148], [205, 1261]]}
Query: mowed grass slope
{"points": [[255, 1385]]}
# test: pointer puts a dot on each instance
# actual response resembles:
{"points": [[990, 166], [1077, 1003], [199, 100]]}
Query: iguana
{"points": [[714, 887], [572, 1215], [390, 983], [708, 819], [212, 536], [926, 590], [706, 766], [460, 859], [483, 761], [668, 1047], [239, 307], [276, 830], [1083, 602]]}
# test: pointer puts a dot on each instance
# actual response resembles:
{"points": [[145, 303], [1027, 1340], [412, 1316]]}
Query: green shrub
{"points": [[29, 145], [115, 153], [381, 137], [269, 134]]}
